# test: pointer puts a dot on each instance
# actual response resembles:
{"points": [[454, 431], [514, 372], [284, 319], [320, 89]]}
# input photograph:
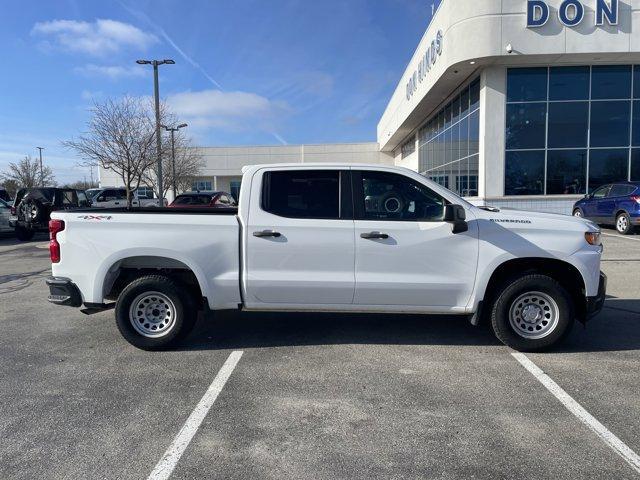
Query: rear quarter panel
{"points": [[93, 243]]}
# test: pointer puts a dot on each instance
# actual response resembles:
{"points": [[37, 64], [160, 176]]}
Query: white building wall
{"points": [[493, 88], [224, 164]]}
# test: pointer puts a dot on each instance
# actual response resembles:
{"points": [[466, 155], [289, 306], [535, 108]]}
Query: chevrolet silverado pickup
{"points": [[330, 238]]}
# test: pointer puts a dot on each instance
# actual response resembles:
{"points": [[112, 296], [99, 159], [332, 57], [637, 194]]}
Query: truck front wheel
{"points": [[532, 313], [154, 311]]}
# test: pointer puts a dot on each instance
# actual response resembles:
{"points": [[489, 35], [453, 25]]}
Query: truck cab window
{"points": [[389, 196], [302, 193]]}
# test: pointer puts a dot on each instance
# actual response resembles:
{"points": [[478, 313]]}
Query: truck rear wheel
{"points": [[532, 313], [154, 311]]}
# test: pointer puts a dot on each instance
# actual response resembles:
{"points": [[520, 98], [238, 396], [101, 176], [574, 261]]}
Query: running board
{"points": [[91, 308]]}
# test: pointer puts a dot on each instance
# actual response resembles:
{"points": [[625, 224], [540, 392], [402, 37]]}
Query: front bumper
{"points": [[63, 291], [595, 304]]}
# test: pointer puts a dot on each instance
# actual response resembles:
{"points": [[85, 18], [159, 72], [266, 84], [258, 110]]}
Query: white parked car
{"points": [[117, 197], [331, 238]]}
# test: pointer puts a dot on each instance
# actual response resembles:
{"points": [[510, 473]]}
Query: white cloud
{"points": [[97, 38], [89, 95], [235, 111], [112, 72]]}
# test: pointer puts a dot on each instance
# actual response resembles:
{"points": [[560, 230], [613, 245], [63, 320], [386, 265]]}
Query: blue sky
{"points": [[248, 72]]}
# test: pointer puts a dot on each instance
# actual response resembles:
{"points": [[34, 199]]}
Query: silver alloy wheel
{"points": [[152, 314], [534, 315], [622, 224], [577, 213]]}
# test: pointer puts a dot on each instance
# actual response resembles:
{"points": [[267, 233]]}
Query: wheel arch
{"points": [[564, 272], [115, 273], [619, 211]]}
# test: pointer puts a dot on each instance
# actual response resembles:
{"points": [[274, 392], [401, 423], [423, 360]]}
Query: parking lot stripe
{"points": [[585, 417], [170, 459], [620, 236]]}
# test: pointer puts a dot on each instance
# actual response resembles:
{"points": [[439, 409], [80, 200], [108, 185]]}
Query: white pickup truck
{"points": [[330, 238]]}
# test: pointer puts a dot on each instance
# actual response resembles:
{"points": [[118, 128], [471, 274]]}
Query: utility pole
{"points": [[41, 171], [173, 130], [156, 93]]}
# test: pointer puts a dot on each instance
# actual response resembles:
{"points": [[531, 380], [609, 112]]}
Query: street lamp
{"points": [[173, 130], [41, 174], [156, 93]]}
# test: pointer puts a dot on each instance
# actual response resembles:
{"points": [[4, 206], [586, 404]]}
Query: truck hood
{"points": [[519, 233], [538, 220]]}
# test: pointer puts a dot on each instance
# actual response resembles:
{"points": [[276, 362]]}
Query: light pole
{"points": [[173, 130], [41, 174], [156, 92]]}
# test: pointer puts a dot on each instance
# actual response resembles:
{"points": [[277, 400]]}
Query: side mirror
{"points": [[456, 215], [100, 199]]}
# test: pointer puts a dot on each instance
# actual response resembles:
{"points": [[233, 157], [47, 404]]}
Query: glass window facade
{"points": [[571, 129], [449, 143]]}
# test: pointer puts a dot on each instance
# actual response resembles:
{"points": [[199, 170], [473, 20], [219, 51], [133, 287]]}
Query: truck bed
{"points": [[96, 243]]}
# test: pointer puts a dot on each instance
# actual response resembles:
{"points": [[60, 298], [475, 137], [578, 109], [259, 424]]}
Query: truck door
{"points": [[405, 253], [299, 239]]}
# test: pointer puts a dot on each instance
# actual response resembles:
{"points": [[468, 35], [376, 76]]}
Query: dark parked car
{"points": [[614, 204], [4, 195], [204, 200], [33, 206]]}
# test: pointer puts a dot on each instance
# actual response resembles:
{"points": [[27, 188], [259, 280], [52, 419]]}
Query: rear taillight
{"points": [[55, 227], [635, 198]]}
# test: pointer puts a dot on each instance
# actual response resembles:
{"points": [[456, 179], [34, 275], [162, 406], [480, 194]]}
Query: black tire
{"points": [[24, 234], [623, 223], [578, 213], [33, 211], [508, 301], [183, 304]]}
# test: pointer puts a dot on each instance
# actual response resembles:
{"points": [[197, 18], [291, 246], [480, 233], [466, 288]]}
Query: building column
{"points": [[215, 183], [493, 83]]}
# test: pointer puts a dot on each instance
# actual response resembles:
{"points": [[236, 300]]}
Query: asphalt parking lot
{"points": [[312, 396]]}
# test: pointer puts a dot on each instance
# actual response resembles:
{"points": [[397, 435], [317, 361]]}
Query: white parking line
{"points": [[624, 237], [585, 417], [169, 460]]}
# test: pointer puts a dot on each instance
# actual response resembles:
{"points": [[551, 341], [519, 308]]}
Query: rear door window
{"points": [[302, 193], [618, 191]]}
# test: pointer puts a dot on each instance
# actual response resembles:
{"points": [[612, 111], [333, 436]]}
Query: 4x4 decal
{"points": [[95, 217]]}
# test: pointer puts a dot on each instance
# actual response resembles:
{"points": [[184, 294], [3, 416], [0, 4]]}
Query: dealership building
{"points": [[519, 103], [525, 104]]}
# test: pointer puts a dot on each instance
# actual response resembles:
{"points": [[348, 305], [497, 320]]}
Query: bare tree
{"points": [[26, 173], [189, 164], [120, 138], [11, 186]]}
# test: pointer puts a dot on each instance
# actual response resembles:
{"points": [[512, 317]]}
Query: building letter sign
{"points": [[425, 62], [537, 13], [571, 12]]}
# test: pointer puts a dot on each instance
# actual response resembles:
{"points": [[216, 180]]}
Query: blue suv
{"points": [[614, 204]]}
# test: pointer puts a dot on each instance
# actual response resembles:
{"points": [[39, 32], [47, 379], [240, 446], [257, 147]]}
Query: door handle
{"points": [[374, 235], [267, 233]]}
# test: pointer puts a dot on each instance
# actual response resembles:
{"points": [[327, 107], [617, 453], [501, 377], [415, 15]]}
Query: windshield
{"points": [[4, 204]]}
